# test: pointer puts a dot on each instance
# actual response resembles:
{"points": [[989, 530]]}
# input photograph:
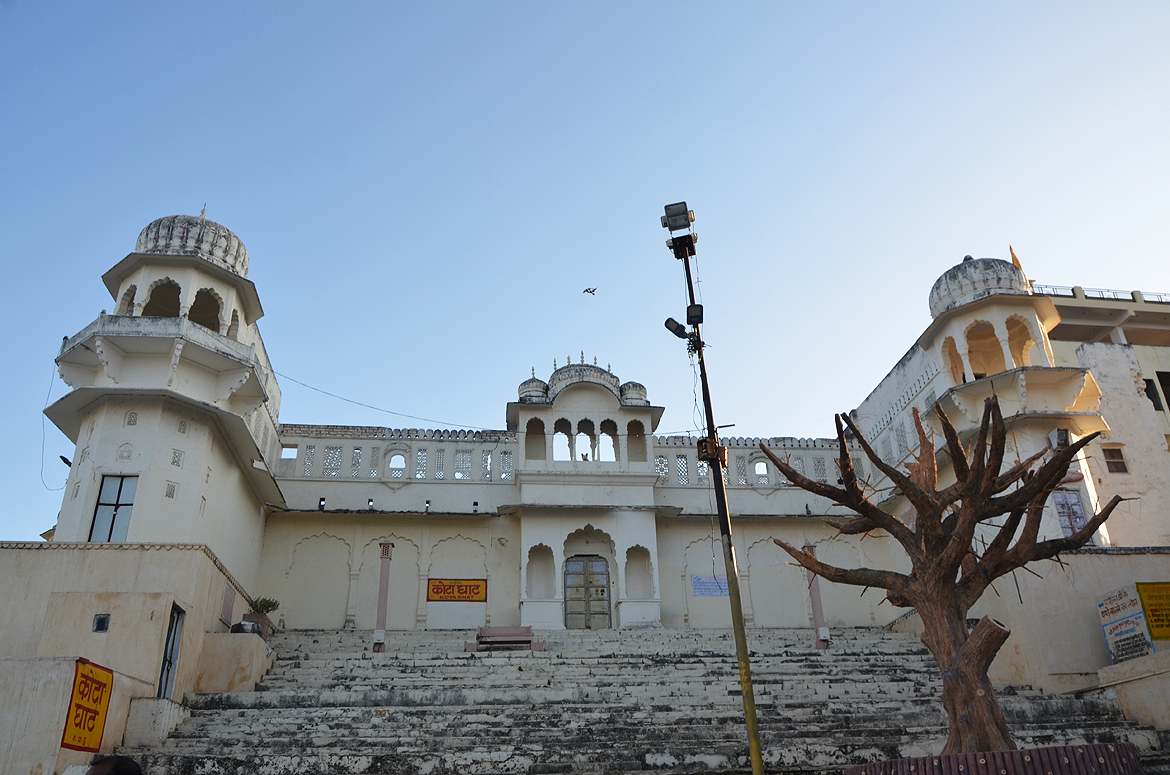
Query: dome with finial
{"points": [[533, 390], [974, 279], [189, 235]]}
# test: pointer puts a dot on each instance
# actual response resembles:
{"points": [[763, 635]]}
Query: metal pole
{"points": [[737, 624]]}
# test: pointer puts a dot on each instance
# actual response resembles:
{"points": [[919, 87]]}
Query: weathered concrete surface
{"points": [[666, 701]]}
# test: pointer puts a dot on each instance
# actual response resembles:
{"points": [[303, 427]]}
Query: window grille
{"points": [[374, 463], [487, 466], [660, 466], [683, 474], [309, 450], [703, 468], [355, 465], [439, 464], [420, 465], [900, 432], [761, 471], [177, 458], [505, 466], [331, 461], [887, 449], [463, 464], [820, 472], [741, 470]]}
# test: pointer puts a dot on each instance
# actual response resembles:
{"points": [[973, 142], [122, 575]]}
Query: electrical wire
{"points": [[378, 408], [52, 376]]}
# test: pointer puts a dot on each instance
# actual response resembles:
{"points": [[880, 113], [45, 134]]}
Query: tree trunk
{"points": [[977, 721]]}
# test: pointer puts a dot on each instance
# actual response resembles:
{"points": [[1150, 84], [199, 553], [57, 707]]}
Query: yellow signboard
{"points": [[86, 718], [1155, 599], [456, 590]]}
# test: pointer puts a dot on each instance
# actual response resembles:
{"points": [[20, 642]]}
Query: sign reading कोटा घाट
{"points": [[85, 720], [456, 590], [1155, 599]]}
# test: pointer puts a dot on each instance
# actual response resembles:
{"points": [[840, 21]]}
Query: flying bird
{"points": [[590, 291]]}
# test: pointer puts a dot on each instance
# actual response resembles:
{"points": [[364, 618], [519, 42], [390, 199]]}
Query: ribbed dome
{"points": [[574, 373], [188, 235], [533, 391], [974, 279]]}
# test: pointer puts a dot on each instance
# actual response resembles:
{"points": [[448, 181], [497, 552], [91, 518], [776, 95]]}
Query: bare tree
{"points": [[947, 574]]}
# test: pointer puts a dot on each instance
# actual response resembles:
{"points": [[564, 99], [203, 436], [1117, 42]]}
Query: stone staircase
{"points": [[595, 702]]}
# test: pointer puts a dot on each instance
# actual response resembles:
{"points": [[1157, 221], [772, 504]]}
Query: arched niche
{"points": [[534, 440], [636, 441], [541, 574], [316, 594], [639, 574]]}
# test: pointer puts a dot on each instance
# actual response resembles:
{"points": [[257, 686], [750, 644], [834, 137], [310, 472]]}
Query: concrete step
{"points": [[594, 702]]}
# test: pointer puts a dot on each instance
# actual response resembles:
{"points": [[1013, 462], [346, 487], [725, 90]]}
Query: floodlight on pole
{"points": [[677, 218]]}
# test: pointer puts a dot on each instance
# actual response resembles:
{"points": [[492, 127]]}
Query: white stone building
{"points": [[188, 495]]}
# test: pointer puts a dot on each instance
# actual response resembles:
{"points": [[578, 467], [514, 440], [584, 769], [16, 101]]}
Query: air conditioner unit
{"points": [[1060, 438]]}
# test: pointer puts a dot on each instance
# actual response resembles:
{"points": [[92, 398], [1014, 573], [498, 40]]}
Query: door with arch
{"points": [[587, 592]]}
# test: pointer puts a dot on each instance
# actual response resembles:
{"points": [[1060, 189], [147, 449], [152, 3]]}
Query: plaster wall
{"points": [[775, 592], [1063, 600], [324, 568], [35, 693], [1134, 428], [190, 487]]}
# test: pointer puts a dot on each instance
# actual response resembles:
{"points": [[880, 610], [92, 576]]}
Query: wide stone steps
{"points": [[663, 701]]}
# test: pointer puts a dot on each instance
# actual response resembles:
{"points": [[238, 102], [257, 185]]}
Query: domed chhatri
{"points": [[974, 279], [188, 235]]}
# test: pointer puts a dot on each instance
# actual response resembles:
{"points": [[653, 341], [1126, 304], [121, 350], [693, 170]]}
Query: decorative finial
{"points": [[609, 368], [554, 364], [203, 212], [582, 357], [594, 360], [568, 360]]}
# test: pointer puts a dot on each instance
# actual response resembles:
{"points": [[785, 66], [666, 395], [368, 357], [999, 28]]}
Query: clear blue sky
{"points": [[424, 190]]}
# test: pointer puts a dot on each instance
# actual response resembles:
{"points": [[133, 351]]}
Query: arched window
{"points": [[562, 446], [1020, 341], [607, 448], [163, 301], [126, 305], [233, 331], [396, 465], [205, 310], [534, 442], [585, 444], [636, 441], [983, 350]]}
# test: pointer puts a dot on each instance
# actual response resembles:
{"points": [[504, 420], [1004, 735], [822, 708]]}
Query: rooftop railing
{"points": [[1071, 292]]}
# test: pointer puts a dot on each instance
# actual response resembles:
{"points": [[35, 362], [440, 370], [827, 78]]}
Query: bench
{"points": [[491, 638]]}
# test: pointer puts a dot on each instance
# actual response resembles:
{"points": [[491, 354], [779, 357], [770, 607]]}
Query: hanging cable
{"points": [[52, 375]]}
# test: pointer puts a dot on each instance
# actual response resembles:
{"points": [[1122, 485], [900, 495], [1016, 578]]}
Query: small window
{"points": [[1114, 460], [760, 468], [288, 452], [101, 623]]}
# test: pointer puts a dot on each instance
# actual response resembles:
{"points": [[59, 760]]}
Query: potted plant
{"points": [[261, 607]]}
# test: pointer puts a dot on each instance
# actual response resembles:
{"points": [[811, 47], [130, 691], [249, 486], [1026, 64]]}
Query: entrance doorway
{"points": [[587, 592], [166, 680]]}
